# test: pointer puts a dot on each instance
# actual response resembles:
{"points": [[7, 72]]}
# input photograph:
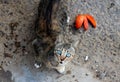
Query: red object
{"points": [[82, 19]]}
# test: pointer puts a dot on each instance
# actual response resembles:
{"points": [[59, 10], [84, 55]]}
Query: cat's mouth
{"points": [[61, 62]]}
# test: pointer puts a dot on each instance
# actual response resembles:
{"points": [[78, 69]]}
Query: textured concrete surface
{"points": [[101, 45]]}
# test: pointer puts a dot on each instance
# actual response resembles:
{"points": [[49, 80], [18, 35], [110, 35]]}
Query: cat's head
{"points": [[64, 53]]}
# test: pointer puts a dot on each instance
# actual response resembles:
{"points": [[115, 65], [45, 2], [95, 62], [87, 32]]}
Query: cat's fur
{"points": [[51, 26]]}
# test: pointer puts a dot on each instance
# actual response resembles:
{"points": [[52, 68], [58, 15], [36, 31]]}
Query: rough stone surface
{"points": [[101, 45]]}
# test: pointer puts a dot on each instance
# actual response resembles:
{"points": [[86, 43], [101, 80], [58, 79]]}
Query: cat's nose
{"points": [[62, 59], [61, 62]]}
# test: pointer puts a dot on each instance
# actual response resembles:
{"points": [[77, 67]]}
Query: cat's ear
{"points": [[75, 44], [71, 50]]}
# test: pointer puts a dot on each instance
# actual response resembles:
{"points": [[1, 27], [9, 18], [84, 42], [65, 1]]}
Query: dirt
{"points": [[100, 45]]}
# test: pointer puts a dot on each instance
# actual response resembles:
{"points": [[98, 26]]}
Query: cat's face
{"points": [[64, 55]]}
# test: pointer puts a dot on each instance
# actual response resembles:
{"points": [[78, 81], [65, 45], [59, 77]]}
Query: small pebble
{"points": [[96, 70], [86, 58], [26, 53], [68, 72], [86, 74], [68, 19], [96, 65], [2, 33], [73, 76]]}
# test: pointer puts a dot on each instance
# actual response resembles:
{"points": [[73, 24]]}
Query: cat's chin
{"points": [[61, 69]]}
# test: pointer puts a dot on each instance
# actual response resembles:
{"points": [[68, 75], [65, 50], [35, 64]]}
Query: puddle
{"points": [[73, 74]]}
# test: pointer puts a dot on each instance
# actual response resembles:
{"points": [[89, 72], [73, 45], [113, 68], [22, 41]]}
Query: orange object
{"points": [[83, 19], [79, 21], [85, 23]]}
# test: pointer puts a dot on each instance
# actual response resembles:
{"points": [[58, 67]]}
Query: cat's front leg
{"points": [[59, 68]]}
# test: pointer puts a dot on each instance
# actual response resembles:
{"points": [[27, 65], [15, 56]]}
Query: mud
{"points": [[101, 45]]}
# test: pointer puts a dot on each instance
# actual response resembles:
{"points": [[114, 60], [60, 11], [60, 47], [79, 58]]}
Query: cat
{"points": [[51, 47]]}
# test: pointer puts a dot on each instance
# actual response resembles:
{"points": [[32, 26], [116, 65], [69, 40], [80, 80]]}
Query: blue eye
{"points": [[68, 54], [59, 52]]}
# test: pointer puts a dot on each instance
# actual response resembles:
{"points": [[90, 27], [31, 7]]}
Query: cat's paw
{"points": [[59, 68], [38, 65]]}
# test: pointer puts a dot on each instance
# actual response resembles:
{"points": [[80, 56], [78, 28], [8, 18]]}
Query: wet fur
{"points": [[49, 25], [46, 32]]}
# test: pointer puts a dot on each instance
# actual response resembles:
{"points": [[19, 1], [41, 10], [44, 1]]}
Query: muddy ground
{"points": [[100, 45]]}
